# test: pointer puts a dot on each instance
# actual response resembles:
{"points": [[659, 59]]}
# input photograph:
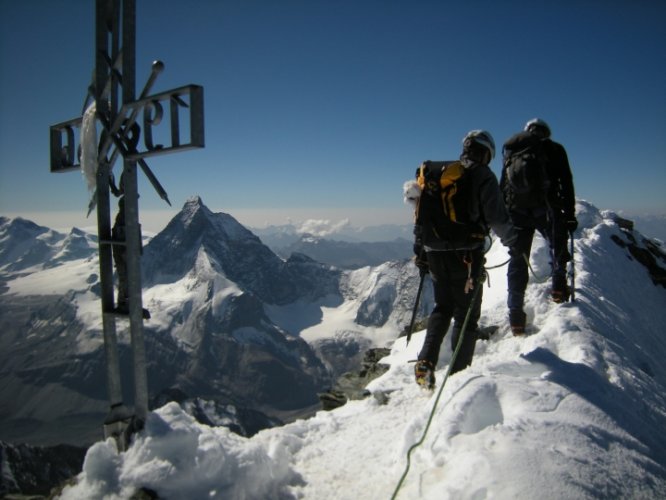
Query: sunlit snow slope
{"points": [[576, 409]]}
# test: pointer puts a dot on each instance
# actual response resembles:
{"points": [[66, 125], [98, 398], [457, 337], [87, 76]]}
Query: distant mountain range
{"points": [[344, 247], [232, 324], [347, 255], [284, 235]]}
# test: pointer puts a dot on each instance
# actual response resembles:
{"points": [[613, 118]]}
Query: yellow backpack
{"points": [[442, 212]]}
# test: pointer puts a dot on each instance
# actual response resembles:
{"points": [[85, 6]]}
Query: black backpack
{"points": [[526, 181], [443, 210]]}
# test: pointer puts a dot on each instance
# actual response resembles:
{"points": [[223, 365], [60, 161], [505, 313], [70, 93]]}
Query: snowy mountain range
{"points": [[280, 236], [340, 244], [232, 324], [576, 409], [347, 255]]}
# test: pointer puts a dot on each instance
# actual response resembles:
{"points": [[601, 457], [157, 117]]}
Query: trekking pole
{"points": [[416, 306], [572, 297]]}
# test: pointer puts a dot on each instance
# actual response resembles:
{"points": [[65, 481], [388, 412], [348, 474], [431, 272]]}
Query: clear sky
{"points": [[323, 108]]}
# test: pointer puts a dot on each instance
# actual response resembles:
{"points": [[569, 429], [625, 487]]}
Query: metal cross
{"points": [[118, 111]]}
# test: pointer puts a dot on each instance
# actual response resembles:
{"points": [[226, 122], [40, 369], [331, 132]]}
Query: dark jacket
{"points": [[560, 195]]}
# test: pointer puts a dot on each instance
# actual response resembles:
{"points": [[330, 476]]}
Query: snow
{"points": [[169, 300], [54, 281], [575, 409], [307, 317], [335, 316]]}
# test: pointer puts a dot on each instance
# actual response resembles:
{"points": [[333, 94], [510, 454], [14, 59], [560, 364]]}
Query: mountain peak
{"points": [[21, 226], [196, 215], [194, 202], [192, 208]]}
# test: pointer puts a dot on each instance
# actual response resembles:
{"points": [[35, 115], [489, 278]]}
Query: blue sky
{"points": [[323, 108]]}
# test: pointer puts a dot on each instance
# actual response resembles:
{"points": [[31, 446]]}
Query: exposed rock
{"points": [[218, 413], [625, 224], [647, 252], [351, 385], [341, 353], [37, 470]]}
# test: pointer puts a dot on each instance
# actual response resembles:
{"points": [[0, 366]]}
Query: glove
{"points": [[572, 224], [422, 265], [421, 259]]}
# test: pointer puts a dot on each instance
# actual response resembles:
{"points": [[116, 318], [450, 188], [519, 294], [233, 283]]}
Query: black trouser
{"points": [[120, 254], [449, 274], [554, 230]]}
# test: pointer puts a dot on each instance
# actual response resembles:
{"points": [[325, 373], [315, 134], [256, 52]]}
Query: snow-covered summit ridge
{"points": [[576, 409]]}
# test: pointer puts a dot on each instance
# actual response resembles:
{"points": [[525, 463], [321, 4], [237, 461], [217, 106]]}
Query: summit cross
{"points": [[134, 129]]}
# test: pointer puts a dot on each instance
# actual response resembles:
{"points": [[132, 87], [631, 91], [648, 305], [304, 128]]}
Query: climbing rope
{"points": [[479, 285], [527, 261], [487, 249], [537, 279], [488, 268]]}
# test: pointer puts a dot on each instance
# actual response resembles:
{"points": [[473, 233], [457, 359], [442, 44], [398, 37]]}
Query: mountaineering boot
{"points": [[485, 332], [560, 296], [424, 371], [560, 291], [517, 320]]}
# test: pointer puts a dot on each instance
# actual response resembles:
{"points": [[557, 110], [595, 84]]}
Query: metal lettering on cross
{"points": [[131, 129]]}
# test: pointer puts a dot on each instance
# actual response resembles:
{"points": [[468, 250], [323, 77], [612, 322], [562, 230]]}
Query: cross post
{"points": [[117, 109]]}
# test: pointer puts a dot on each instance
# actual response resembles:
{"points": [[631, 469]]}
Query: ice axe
{"points": [[416, 306]]}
